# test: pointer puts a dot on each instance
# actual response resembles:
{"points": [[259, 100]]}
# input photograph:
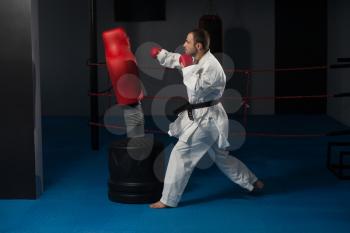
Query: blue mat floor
{"points": [[301, 195]]}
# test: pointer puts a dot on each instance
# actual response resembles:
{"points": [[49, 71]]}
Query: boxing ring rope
{"points": [[336, 169], [256, 134], [243, 134], [245, 71], [233, 98], [245, 100], [248, 73]]}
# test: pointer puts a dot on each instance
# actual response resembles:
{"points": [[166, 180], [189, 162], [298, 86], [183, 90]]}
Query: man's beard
{"points": [[193, 53]]}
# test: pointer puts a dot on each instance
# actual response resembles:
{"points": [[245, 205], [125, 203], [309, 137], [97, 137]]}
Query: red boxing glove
{"points": [[122, 67], [185, 60], [154, 52]]}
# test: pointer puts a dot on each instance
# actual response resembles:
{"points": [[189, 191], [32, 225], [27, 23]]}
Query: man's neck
{"points": [[199, 55]]}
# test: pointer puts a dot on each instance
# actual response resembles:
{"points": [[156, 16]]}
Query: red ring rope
{"points": [[252, 134]]}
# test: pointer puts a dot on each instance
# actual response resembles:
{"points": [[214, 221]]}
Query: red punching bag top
{"points": [[117, 44]]}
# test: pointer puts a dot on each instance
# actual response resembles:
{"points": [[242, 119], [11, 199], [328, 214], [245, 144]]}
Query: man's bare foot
{"points": [[158, 205], [258, 186]]}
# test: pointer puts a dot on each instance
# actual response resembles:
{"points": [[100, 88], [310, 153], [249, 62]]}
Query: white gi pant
{"points": [[185, 156]]}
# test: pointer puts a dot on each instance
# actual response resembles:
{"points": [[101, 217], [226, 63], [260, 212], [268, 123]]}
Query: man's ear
{"points": [[199, 46]]}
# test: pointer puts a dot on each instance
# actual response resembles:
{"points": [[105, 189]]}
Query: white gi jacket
{"points": [[204, 81]]}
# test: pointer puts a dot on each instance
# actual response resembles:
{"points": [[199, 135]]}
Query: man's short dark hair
{"points": [[201, 36]]}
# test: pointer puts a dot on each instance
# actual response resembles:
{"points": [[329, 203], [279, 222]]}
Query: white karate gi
{"points": [[208, 132]]}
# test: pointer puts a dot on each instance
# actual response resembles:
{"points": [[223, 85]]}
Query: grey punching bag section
{"points": [[135, 162]]}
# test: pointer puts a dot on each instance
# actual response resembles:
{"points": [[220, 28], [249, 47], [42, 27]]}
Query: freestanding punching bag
{"points": [[122, 67], [213, 25], [135, 163]]}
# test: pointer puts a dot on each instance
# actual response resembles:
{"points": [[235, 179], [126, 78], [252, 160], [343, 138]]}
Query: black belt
{"points": [[189, 107]]}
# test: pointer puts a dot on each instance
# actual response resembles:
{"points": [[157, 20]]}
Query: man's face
{"points": [[189, 45]]}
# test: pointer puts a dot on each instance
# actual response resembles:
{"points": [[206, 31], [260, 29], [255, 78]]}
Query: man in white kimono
{"points": [[202, 125]]}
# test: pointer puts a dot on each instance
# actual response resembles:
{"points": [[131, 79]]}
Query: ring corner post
{"points": [[94, 112]]}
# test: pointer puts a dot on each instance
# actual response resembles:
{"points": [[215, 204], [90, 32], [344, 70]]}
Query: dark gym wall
{"points": [[64, 49], [301, 41], [20, 157], [338, 46], [249, 29], [64, 34]]}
